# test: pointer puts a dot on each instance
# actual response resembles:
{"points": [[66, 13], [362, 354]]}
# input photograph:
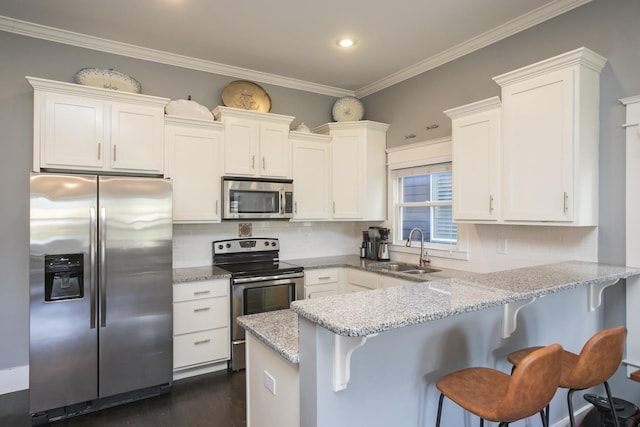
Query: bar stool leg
{"points": [[439, 409], [611, 405], [572, 421]]}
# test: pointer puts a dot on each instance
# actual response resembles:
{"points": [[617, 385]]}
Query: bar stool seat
{"points": [[598, 360], [496, 396]]}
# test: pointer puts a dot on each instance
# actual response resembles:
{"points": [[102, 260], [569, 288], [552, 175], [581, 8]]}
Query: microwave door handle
{"points": [[281, 205]]}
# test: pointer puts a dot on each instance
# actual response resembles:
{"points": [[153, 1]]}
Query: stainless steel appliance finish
{"points": [[100, 290], [254, 198], [260, 282]]}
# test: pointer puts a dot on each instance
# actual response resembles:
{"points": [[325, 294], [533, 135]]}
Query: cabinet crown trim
{"points": [[474, 107], [221, 112], [94, 92], [361, 124], [581, 56]]}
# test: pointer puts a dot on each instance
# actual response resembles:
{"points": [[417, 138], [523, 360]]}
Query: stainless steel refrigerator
{"points": [[100, 291]]}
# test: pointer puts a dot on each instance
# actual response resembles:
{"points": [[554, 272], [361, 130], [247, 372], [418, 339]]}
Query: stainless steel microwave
{"points": [[255, 198]]}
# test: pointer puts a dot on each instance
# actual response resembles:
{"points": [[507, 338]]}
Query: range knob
{"points": [[273, 244], [228, 245], [220, 246], [266, 243]]}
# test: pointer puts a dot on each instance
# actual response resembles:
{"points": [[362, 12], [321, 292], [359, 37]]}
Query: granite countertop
{"points": [[366, 313], [354, 261], [194, 274], [277, 329]]}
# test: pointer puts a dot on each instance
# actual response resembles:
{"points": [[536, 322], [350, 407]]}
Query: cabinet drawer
{"points": [[199, 315], [325, 275], [198, 290], [200, 347], [316, 291], [362, 278]]}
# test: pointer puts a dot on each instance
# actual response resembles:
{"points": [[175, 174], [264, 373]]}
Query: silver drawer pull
{"points": [[201, 342], [324, 277], [195, 310], [201, 292]]}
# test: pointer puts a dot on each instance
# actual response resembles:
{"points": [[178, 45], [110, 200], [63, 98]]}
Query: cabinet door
{"points": [[347, 158], [538, 129], [311, 175], [275, 151], [194, 159], [72, 132], [240, 151], [137, 138], [476, 166]]}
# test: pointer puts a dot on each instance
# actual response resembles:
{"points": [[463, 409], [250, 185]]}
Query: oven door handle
{"points": [[266, 278]]}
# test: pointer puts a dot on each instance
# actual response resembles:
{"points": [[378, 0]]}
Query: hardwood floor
{"points": [[212, 400]]}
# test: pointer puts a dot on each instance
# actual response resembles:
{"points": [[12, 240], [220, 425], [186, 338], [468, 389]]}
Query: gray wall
{"points": [[608, 27], [21, 56]]}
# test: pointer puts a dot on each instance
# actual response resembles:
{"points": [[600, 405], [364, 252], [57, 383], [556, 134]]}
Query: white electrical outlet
{"points": [[270, 382], [502, 246]]}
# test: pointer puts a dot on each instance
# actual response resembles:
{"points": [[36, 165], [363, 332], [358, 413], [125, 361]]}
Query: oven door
{"points": [[250, 295]]}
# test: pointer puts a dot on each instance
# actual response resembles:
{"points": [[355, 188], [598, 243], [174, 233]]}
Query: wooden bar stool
{"points": [[496, 396], [597, 362]]}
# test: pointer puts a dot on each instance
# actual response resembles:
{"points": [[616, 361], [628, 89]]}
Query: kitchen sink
{"points": [[403, 268]]}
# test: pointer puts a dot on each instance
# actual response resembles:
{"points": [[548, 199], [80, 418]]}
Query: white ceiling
{"points": [[285, 42]]}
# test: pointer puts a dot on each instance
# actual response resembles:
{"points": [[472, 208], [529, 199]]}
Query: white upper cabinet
{"points": [[194, 164], [476, 161], [311, 171], [84, 128], [256, 144], [550, 116], [358, 169]]}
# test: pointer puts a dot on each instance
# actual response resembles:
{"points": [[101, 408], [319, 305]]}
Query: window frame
{"points": [[428, 152]]}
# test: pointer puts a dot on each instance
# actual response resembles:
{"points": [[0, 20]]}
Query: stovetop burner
{"points": [[251, 257]]}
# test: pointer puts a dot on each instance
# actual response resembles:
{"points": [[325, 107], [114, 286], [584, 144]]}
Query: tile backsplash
{"points": [[489, 247]]}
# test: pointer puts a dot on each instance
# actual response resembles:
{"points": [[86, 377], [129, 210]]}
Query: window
{"points": [[422, 199]]}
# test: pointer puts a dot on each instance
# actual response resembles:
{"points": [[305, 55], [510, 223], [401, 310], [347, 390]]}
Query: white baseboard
{"points": [[14, 379], [199, 370]]}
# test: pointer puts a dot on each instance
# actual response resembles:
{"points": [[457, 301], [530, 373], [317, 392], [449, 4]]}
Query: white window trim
{"points": [[414, 155]]}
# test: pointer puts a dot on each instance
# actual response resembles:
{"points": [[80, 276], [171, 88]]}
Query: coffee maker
{"points": [[375, 244]]}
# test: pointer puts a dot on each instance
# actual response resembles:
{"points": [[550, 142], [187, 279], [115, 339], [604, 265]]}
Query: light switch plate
{"points": [[270, 382]]}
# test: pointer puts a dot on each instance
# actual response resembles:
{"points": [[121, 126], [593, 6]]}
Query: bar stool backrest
{"points": [[599, 359], [533, 383]]}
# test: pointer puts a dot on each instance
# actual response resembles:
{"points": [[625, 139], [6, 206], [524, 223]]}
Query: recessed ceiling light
{"points": [[346, 42]]}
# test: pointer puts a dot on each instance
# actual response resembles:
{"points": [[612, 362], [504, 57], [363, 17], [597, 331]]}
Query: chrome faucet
{"points": [[424, 259]]}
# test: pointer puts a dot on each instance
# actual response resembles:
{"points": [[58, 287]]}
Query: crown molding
{"points": [[501, 32], [132, 51], [494, 35]]}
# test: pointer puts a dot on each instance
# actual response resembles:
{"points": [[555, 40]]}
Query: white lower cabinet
{"points": [[200, 323], [358, 280], [321, 282]]}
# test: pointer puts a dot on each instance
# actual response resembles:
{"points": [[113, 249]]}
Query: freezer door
{"points": [[63, 357], [135, 290]]}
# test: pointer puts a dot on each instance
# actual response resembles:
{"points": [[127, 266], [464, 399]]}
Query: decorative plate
{"points": [[347, 108], [107, 79], [247, 96], [187, 108]]}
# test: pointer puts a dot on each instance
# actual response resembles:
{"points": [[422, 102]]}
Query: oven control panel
{"points": [[232, 246]]}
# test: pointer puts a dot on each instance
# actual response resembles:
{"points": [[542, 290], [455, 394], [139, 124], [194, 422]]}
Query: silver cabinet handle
{"points": [[99, 150], [295, 207], [324, 278], [216, 207], [201, 309], [334, 207], [253, 162], [201, 342], [490, 203], [264, 163], [201, 292], [115, 157], [566, 201]]}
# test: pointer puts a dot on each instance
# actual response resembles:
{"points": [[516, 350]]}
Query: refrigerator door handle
{"points": [[93, 230], [103, 270]]}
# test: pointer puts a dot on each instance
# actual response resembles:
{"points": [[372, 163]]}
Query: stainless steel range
{"points": [[259, 282]]}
